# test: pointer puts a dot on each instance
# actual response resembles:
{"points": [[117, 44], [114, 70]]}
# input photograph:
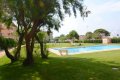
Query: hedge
{"points": [[92, 41], [116, 40], [7, 42]]}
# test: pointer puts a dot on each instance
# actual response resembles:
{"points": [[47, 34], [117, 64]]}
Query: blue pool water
{"points": [[89, 48]]}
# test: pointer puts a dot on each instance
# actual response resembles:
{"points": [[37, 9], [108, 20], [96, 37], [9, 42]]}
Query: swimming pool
{"points": [[89, 49]]}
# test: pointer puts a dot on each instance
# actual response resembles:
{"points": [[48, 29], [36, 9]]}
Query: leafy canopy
{"points": [[73, 34], [100, 32], [49, 12], [89, 35]]}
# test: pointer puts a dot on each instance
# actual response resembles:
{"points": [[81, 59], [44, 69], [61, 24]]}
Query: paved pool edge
{"points": [[58, 53]]}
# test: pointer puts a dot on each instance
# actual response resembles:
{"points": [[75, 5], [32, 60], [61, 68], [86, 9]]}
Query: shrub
{"points": [[92, 41], [7, 42], [76, 41], [115, 40]]}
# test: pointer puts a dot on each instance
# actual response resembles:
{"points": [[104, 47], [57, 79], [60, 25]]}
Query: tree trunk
{"points": [[17, 53], [29, 53], [29, 36], [15, 57], [32, 44], [43, 55], [12, 58]]}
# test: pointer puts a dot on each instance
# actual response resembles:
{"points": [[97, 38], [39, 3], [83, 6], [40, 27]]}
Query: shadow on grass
{"points": [[60, 68]]}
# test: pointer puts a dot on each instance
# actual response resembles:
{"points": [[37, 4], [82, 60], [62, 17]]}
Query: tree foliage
{"points": [[41, 38], [89, 35], [100, 32], [32, 15], [62, 38], [6, 43], [73, 34]]}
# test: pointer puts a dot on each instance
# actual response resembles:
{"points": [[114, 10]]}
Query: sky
{"points": [[104, 14]]}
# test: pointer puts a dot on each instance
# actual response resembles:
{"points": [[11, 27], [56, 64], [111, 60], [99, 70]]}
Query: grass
{"points": [[93, 66]]}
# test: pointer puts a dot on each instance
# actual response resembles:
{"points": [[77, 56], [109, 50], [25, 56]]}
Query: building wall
{"points": [[82, 37], [106, 40], [7, 32]]}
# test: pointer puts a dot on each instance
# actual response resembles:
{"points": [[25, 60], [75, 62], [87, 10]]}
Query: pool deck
{"points": [[85, 52], [54, 51]]}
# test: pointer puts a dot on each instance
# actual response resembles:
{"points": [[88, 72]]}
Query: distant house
{"points": [[106, 40], [7, 32], [82, 37]]}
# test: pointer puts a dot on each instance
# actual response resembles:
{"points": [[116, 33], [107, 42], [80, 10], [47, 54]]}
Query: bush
{"points": [[115, 40], [10, 42], [76, 41], [7, 42], [92, 41], [81, 41]]}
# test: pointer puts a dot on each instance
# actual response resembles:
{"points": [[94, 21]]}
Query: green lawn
{"points": [[92, 66]]}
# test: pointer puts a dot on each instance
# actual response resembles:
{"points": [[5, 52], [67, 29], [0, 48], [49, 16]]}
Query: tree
{"points": [[99, 33], [62, 38], [89, 35], [34, 14], [56, 39], [41, 38], [5, 47], [73, 34], [6, 43]]}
